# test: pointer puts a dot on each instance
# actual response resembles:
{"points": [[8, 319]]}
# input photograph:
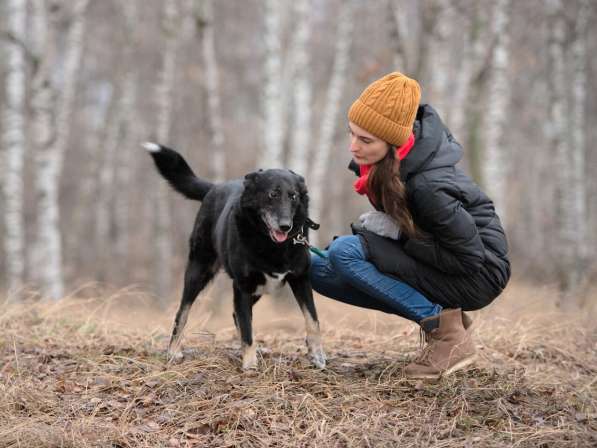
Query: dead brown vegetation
{"points": [[92, 373]]}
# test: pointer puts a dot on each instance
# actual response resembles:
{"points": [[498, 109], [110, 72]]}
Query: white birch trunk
{"points": [[441, 54], [578, 185], [129, 136], [272, 100], [217, 149], [105, 193], [317, 179], [50, 161], [563, 164], [399, 28], [577, 127], [302, 92], [164, 97], [495, 165], [43, 103], [456, 119], [13, 140]]}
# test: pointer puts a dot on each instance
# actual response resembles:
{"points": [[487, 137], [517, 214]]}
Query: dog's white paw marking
{"points": [[318, 358], [249, 357], [151, 147], [175, 357]]}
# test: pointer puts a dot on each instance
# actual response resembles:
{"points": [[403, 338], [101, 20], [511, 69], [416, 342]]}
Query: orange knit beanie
{"points": [[387, 108]]}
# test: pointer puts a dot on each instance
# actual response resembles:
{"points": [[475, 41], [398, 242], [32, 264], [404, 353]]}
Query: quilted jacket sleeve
{"points": [[454, 246]]}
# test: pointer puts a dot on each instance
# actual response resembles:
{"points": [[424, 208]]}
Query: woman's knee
{"points": [[345, 250], [319, 270]]}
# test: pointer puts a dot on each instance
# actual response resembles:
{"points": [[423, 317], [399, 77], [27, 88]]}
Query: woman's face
{"points": [[366, 149]]}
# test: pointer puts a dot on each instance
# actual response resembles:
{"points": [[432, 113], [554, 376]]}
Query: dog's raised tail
{"points": [[177, 172]]}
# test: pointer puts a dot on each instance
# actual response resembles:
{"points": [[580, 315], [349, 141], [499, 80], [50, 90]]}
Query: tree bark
{"points": [[128, 141], [495, 165], [272, 101], [317, 179], [13, 139], [557, 136], [164, 95], [50, 161], [212, 89], [302, 92]]}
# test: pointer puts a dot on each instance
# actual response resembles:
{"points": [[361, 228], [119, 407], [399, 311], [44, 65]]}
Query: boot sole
{"points": [[458, 366]]}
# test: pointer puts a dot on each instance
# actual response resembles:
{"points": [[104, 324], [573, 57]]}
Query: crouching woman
{"points": [[434, 246]]}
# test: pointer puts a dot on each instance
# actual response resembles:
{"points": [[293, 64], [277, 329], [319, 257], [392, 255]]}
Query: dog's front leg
{"points": [[303, 293], [243, 315]]}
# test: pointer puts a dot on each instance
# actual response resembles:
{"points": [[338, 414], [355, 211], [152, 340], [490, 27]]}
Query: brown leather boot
{"points": [[466, 320], [449, 347]]}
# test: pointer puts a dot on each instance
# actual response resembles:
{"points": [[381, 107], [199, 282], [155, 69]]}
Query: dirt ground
{"points": [[90, 371]]}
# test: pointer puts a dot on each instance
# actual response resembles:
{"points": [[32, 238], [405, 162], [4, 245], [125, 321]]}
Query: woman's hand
{"points": [[379, 223]]}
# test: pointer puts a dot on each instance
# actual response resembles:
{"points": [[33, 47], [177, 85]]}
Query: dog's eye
{"points": [[293, 196], [273, 194]]}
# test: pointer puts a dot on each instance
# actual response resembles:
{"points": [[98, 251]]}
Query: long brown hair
{"points": [[388, 191]]}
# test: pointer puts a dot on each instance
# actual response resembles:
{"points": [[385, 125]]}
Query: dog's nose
{"points": [[285, 228]]}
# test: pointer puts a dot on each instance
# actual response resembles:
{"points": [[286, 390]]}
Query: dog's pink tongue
{"points": [[280, 236]]}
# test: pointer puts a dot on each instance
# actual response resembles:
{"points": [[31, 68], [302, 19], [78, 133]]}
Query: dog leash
{"points": [[300, 238]]}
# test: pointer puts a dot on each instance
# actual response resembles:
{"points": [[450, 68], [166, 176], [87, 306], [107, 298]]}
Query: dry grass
{"points": [[91, 372]]}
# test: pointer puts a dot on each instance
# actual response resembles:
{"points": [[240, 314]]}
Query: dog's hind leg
{"points": [[243, 317], [301, 288], [197, 275]]}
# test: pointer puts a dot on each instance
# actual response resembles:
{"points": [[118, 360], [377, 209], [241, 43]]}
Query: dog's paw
{"points": [[318, 358], [250, 364], [249, 357], [175, 357]]}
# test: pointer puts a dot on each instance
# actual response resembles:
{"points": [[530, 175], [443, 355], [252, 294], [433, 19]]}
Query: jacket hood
{"points": [[434, 145]]}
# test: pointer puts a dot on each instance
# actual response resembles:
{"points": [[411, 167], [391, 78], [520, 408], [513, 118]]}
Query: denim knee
{"points": [[345, 250], [319, 271]]}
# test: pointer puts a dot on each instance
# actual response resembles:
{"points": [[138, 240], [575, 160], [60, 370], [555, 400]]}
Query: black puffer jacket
{"points": [[464, 263]]}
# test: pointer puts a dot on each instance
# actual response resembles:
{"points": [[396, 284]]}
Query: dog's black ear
{"points": [[251, 177], [301, 178], [301, 184]]}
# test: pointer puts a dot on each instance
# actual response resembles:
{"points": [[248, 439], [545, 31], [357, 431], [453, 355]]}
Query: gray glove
{"points": [[379, 223]]}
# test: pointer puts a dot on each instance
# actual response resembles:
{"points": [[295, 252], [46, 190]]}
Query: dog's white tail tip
{"points": [[151, 147]]}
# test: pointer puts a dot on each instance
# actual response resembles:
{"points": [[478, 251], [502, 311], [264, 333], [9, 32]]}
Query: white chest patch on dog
{"points": [[273, 282]]}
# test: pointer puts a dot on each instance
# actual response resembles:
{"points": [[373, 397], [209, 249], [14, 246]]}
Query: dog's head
{"points": [[279, 199]]}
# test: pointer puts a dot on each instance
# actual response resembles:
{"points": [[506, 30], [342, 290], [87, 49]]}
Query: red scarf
{"points": [[360, 185]]}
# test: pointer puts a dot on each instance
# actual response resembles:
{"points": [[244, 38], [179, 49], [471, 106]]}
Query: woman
{"points": [[434, 246]]}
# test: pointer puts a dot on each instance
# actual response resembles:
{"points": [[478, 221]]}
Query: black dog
{"points": [[251, 228]]}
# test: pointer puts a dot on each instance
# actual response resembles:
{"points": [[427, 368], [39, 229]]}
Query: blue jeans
{"points": [[345, 275]]}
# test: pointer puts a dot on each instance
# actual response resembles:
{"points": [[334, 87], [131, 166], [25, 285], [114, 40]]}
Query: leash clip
{"points": [[300, 239]]}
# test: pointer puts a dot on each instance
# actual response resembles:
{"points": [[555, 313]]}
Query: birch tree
{"points": [[317, 178], [441, 42], [128, 137], [563, 167], [13, 140], [272, 98], [50, 161], [577, 127], [302, 92], [43, 102], [398, 23], [114, 169], [212, 89], [480, 57], [495, 166], [457, 116], [105, 192], [164, 95]]}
